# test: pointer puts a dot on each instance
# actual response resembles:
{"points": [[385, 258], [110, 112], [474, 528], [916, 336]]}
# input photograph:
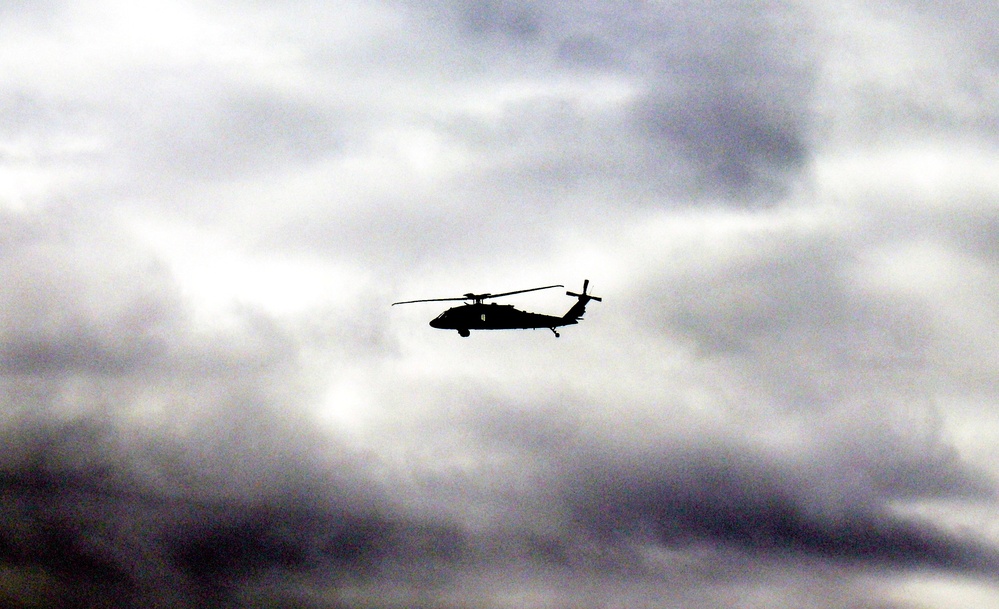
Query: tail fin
{"points": [[577, 310]]}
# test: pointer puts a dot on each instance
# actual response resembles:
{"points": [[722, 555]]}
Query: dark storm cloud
{"points": [[92, 510], [596, 34], [737, 150], [829, 501], [518, 20], [724, 92], [732, 498], [82, 527], [730, 95]]}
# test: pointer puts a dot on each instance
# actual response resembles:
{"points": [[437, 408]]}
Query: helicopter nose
{"points": [[435, 323]]}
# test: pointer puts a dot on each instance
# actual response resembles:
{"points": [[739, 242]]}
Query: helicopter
{"points": [[477, 315]]}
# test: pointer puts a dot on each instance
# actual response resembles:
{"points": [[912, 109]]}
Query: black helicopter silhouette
{"points": [[476, 315]]}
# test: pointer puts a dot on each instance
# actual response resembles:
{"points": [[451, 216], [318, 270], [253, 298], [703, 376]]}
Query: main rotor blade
{"points": [[430, 300], [522, 291], [478, 297]]}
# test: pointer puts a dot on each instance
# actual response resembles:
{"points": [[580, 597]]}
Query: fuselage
{"points": [[482, 316]]}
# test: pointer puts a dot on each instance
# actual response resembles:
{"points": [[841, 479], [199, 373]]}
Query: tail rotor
{"points": [[584, 295], [576, 312]]}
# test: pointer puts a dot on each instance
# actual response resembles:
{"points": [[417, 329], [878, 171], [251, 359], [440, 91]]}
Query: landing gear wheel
{"points": [[463, 332], [556, 333]]}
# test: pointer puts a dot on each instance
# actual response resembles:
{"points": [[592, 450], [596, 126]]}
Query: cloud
{"points": [[722, 97], [237, 134], [209, 518], [782, 401], [137, 522], [774, 513]]}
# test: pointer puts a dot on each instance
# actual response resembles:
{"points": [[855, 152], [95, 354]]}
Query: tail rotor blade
{"points": [[586, 285]]}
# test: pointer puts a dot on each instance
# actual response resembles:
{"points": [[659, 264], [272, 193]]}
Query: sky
{"points": [[786, 398]]}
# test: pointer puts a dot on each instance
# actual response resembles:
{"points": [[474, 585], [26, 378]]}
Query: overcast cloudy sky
{"points": [[786, 399]]}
